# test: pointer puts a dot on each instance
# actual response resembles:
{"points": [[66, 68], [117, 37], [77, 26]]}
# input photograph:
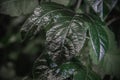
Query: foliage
{"points": [[65, 31], [71, 43]]}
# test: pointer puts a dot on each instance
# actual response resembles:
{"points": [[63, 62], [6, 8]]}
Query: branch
{"points": [[112, 20], [78, 4]]}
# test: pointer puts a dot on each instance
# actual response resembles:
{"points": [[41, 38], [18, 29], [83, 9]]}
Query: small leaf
{"points": [[68, 69], [17, 7]]}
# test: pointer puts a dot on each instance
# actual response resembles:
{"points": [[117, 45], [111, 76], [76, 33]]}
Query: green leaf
{"points": [[17, 7], [112, 47], [86, 75], [67, 36], [68, 69], [98, 37], [81, 75], [111, 61], [111, 64]]}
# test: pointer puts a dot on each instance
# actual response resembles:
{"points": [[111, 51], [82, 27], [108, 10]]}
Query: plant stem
{"points": [[78, 4], [112, 20]]}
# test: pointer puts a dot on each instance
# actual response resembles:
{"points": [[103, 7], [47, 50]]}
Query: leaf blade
{"points": [[98, 37]]}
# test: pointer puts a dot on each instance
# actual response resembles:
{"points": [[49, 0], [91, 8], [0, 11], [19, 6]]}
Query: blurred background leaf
{"points": [[17, 7]]}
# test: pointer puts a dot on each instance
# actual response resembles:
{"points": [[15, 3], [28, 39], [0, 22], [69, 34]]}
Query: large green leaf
{"points": [[67, 36], [112, 47], [99, 37], [17, 7]]}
